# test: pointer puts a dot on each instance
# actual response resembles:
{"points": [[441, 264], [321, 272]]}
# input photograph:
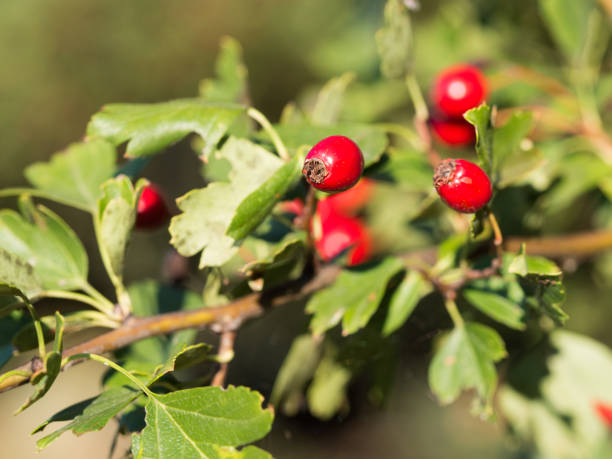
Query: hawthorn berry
{"points": [[453, 132], [462, 185], [334, 233], [333, 164], [152, 211], [459, 88]]}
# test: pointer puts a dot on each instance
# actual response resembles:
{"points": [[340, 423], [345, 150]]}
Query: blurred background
{"points": [[62, 60]]}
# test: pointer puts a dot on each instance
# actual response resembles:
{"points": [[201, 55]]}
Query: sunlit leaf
{"points": [[497, 307]]}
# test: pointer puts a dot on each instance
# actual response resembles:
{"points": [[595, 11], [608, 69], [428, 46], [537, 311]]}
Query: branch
{"points": [[573, 245], [229, 316]]}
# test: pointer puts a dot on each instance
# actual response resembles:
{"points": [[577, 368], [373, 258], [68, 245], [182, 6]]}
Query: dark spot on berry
{"points": [[314, 170]]}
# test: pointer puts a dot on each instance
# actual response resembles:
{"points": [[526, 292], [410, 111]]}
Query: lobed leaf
{"points": [[149, 128], [208, 212], [200, 422], [75, 175], [353, 298]]}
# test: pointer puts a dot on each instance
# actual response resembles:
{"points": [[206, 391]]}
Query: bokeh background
{"points": [[62, 60]]}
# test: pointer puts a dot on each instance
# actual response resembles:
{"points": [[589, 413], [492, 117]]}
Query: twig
{"points": [[579, 244], [225, 355]]}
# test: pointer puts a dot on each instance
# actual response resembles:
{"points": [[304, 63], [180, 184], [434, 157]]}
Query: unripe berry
{"points": [[453, 132], [462, 185], [459, 88], [334, 233], [152, 211], [333, 164]]}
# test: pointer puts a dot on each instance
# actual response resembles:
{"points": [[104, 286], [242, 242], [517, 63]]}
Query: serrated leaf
{"points": [[329, 100], [230, 85], [196, 422], [116, 216], [404, 300], [497, 307], [394, 41], [353, 298], [44, 380], [327, 393], [89, 415], [208, 212], [48, 244], [149, 128], [372, 140], [17, 273], [256, 206], [297, 369], [465, 360], [74, 176], [480, 118]]}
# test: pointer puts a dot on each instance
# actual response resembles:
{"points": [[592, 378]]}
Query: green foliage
{"points": [[149, 128], [395, 41], [231, 82], [404, 300], [202, 422]]}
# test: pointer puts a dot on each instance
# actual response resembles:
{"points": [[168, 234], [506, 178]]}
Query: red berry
{"points": [[335, 233], [459, 88], [462, 185], [351, 201], [455, 133], [295, 207], [604, 410], [333, 164], [152, 211]]}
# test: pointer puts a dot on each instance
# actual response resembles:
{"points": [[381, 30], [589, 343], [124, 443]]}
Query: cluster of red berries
{"points": [[456, 90]]}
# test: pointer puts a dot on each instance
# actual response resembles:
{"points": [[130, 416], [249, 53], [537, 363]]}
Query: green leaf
{"points": [[507, 138], [518, 265], [89, 415], [480, 118], [372, 140], [329, 101], [15, 272], [44, 379], [116, 216], [327, 392], [150, 128], [281, 256], [185, 358], [197, 422], [569, 23], [55, 252], [497, 307], [409, 169], [465, 360], [394, 41], [404, 300], [541, 266], [208, 212], [297, 369], [230, 85], [257, 205], [75, 175], [353, 298]]}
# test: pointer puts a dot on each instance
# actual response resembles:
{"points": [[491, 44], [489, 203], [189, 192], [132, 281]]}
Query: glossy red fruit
{"points": [[333, 164], [459, 88], [604, 410], [453, 132], [334, 233], [351, 201], [462, 185], [152, 211]]}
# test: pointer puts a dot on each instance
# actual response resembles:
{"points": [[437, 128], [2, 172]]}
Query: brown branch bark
{"points": [[226, 353], [230, 316]]}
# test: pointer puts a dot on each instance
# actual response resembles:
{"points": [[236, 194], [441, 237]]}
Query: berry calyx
{"points": [[351, 201], [152, 211], [462, 185], [459, 88], [334, 233], [453, 132], [333, 164]]}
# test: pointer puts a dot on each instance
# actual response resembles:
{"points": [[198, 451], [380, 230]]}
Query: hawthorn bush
{"points": [[364, 263]]}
